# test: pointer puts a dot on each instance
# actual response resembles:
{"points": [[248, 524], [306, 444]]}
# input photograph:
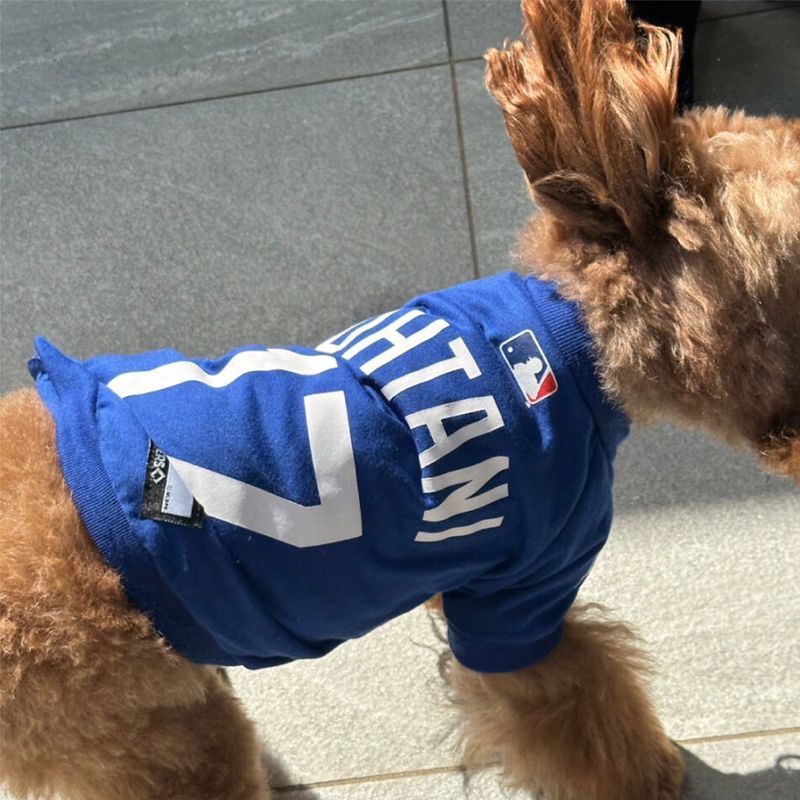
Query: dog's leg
{"points": [[89, 748], [93, 705], [576, 726]]}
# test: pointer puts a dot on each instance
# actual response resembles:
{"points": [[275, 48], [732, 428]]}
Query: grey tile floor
{"points": [[205, 174]]}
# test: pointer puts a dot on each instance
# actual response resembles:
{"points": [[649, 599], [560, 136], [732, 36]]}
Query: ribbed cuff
{"points": [[564, 321], [79, 448]]}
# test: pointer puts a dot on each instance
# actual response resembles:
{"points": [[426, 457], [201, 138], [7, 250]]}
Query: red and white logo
{"points": [[529, 366]]}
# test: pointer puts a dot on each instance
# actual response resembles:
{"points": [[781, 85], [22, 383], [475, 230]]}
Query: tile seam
{"points": [[462, 148], [321, 82], [230, 96], [461, 769], [734, 737], [377, 778]]}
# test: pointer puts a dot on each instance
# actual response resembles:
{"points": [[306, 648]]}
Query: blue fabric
{"points": [[459, 445]]}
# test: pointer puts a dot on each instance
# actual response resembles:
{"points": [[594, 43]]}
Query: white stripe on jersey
{"points": [[129, 384]]}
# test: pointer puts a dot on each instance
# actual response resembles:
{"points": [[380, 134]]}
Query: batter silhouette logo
{"points": [[529, 366]]}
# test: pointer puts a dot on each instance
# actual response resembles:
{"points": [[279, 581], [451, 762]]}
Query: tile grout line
{"points": [[380, 777], [461, 769], [473, 244], [234, 95], [322, 81], [735, 737]]}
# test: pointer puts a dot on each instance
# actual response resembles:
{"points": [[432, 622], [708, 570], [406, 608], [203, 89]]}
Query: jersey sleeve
{"points": [[497, 627]]}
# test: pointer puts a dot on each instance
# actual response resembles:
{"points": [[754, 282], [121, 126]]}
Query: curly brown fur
{"points": [[93, 705], [679, 237], [576, 726]]}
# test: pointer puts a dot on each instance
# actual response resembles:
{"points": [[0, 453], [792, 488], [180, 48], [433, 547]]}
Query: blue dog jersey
{"points": [[268, 505]]}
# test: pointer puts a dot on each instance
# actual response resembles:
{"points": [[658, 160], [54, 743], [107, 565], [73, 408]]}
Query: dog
{"points": [[665, 257]]}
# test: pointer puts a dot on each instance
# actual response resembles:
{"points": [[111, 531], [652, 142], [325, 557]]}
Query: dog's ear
{"points": [[588, 100], [581, 202]]}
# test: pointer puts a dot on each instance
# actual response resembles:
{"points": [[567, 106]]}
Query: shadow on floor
{"points": [[664, 467], [781, 782], [282, 780]]}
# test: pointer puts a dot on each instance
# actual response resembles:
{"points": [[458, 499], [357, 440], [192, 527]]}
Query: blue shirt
{"points": [[267, 505]]}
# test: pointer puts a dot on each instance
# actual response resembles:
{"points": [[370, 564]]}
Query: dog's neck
{"points": [[650, 355], [643, 362]]}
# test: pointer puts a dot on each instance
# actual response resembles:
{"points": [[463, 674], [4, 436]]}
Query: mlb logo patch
{"points": [[530, 367]]}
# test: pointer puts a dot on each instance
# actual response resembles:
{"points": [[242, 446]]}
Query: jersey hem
{"points": [[95, 498], [496, 658]]}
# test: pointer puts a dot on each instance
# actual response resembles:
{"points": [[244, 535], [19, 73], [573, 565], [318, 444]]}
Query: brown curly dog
{"points": [[679, 238]]}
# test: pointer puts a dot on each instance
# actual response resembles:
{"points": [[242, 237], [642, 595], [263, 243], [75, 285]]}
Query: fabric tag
{"points": [[165, 496]]}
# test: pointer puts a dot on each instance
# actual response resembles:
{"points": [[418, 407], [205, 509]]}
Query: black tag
{"points": [[165, 496]]}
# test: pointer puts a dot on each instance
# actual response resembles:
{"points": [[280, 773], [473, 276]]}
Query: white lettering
{"points": [[335, 518], [462, 360], [400, 344], [350, 334], [465, 530], [433, 418], [469, 481]]}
